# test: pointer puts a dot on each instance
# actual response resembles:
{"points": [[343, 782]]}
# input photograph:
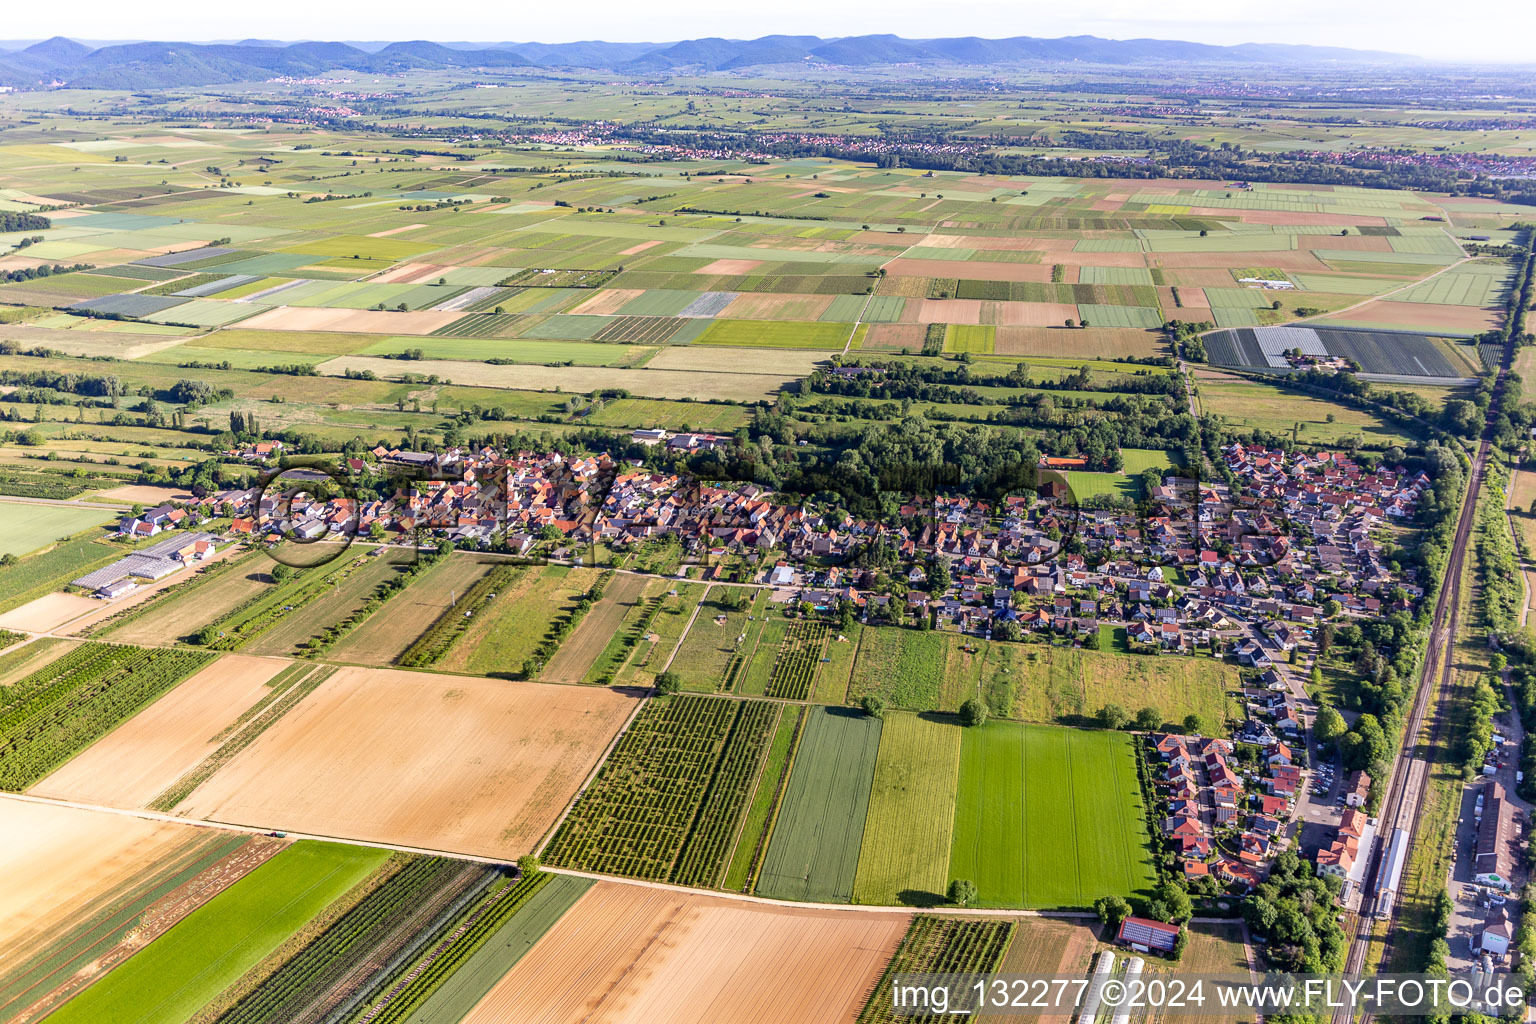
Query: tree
{"points": [[1192, 724], [1176, 900], [1180, 944], [873, 705], [973, 712], [8, 559], [280, 572], [1113, 716], [668, 682], [1329, 727], [1331, 608], [1149, 718], [962, 892], [528, 864], [1112, 910]]}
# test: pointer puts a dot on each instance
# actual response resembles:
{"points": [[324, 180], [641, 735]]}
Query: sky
{"points": [[1472, 30]]}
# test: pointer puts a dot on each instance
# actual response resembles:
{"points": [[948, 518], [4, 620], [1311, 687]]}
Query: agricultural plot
{"points": [[470, 765], [26, 527], [579, 653], [904, 666], [343, 593], [514, 626], [656, 955], [939, 945], [384, 638], [813, 852], [389, 922], [666, 803], [714, 641], [917, 773], [449, 979], [799, 656], [1049, 817], [136, 761], [72, 701], [184, 969], [658, 644], [62, 864]]}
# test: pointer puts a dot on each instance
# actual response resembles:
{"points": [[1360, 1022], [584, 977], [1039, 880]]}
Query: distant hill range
{"points": [[149, 65]]}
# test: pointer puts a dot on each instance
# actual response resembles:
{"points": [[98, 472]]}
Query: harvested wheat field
{"points": [[57, 860], [628, 953], [1079, 342], [1035, 314], [767, 306], [719, 359], [144, 494], [144, 756], [944, 311], [609, 301], [729, 267], [1424, 316], [48, 612], [894, 337], [357, 321], [409, 273], [581, 648], [468, 765]]}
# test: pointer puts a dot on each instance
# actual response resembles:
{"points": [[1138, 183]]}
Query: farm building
{"points": [[1494, 864], [1145, 934], [1497, 933], [152, 563]]}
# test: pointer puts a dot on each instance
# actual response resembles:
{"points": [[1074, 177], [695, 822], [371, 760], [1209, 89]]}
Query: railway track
{"points": [[1403, 806]]}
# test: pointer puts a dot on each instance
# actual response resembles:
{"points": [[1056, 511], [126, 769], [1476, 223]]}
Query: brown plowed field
{"points": [[48, 612], [55, 860], [767, 306], [894, 338], [627, 954], [477, 766], [140, 759], [581, 648]]}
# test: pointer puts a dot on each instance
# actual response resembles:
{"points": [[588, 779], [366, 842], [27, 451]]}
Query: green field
{"points": [[25, 527], [907, 834], [904, 666], [775, 334], [216, 944], [814, 852], [1049, 817]]}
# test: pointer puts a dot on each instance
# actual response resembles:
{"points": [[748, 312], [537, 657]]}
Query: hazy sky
{"points": [[1470, 30]]}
